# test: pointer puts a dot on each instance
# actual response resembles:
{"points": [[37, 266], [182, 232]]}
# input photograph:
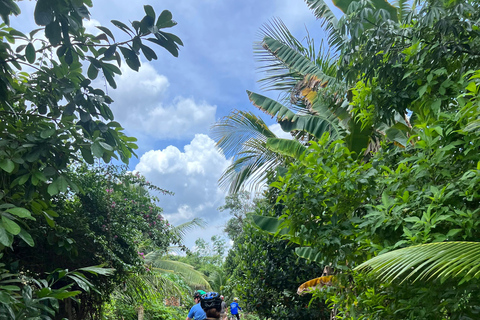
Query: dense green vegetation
{"points": [[384, 119], [384, 156]]}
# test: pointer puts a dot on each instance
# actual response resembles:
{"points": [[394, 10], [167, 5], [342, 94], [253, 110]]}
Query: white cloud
{"points": [[192, 175], [90, 25], [141, 108]]}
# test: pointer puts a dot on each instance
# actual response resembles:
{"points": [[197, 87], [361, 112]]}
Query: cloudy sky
{"points": [[170, 104]]}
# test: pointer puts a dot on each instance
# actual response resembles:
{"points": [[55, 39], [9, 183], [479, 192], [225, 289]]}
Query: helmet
{"points": [[235, 299], [198, 294], [211, 300], [221, 297]]}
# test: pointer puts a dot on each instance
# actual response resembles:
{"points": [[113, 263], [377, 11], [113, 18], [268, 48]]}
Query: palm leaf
{"points": [[328, 21], [193, 277], [290, 148], [270, 106], [440, 260], [182, 229], [237, 128], [243, 135], [315, 125], [294, 60], [279, 76]]}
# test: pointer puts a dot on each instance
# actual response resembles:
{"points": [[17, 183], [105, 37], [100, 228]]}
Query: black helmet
{"points": [[198, 294], [211, 300]]}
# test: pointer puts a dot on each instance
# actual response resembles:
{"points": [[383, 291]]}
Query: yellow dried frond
{"points": [[313, 284]]}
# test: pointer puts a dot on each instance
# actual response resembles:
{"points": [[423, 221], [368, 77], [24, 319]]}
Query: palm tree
{"points": [[438, 260], [314, 101]]}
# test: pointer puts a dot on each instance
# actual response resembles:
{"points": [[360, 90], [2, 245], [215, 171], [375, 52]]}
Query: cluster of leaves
{"points": [[150, 293], [342, 208], [52, 117], [105, 224]]}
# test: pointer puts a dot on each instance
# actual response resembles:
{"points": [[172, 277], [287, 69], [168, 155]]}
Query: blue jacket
{"points": [[234, 307]]}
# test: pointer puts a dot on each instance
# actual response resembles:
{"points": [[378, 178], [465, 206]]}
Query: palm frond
{"points": [[290, 148], [440, 260], [250, 169], [294, 61], [328, 21], [235, 129], [315, 125], [403, 9], [243, 135], [193, 277], [182, 229], [270, 106], [279, 76]]}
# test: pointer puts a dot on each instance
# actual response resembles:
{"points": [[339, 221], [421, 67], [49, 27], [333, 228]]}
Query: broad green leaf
{"points": [[290, 148], [7, 165], [309, 253], [30, 53], [11, 226], [92, 72], [149, 11], [52, 189], [107, 31], [67, 294], [6, 238], [5, 297], [269, 224], [98, 270], [270, 106], [43, 12], [25, 236], [20, 212], [47, 133], [164, 20]]}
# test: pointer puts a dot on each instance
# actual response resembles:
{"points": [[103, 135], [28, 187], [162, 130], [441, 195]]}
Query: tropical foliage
{"points": [[410, 77], [53, 121]]}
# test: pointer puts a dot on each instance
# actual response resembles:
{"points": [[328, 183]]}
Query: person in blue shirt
{"points": [[196, 312], [234, 307]]}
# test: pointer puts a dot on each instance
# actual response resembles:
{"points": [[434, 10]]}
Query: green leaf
{"points": [[30, 53], [165, 20], [6, 238], [169, 45], [25, 236], [20, 212], [11, 226], [149, 11], [66, 294], [131, 58], [98, 270], [92, 72], [269, 224], [107, 31], [7, 165], [97, 150], [110, 51], [87, 155], [47, 133], [122, 26], [309, 254], [43, 12], [148, 53]]}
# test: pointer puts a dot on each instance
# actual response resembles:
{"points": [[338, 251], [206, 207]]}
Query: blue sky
{"points": [[170, 104]]}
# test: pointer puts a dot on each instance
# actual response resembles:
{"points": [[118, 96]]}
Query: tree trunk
{"points": [[141, 312]]}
